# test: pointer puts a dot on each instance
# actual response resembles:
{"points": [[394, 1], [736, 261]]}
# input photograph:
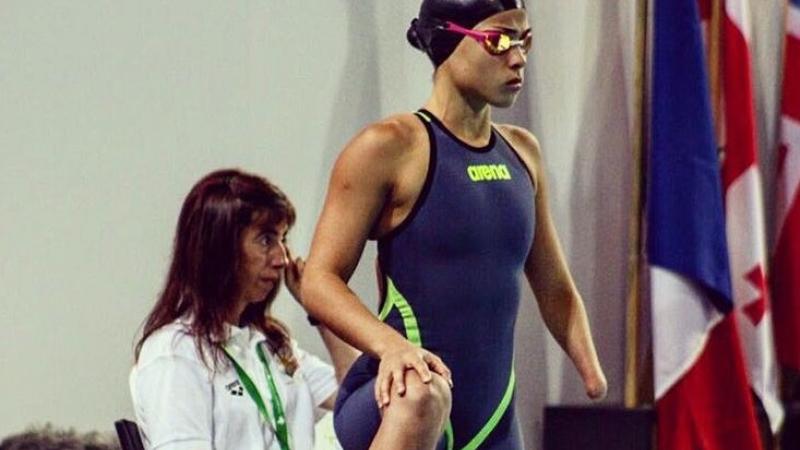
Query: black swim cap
{"points": [[425, 34]]}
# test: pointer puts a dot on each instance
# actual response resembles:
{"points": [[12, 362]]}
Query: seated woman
{"points": [[214, 369]]}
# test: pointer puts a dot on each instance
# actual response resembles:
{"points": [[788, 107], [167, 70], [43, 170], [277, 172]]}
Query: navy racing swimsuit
{"points": [[451, 275]]}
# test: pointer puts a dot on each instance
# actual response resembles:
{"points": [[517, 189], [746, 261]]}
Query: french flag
{"points": [[701, 388], [741, 180], [786, 258]]}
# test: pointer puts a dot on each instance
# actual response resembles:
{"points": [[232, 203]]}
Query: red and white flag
{"points": [[744, 209], [786, 258]]}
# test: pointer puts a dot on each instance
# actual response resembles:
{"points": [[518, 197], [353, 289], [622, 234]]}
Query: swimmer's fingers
{"points": [[391, 372], [398, 379], [383, 385], [438, 366], [420, 365]]}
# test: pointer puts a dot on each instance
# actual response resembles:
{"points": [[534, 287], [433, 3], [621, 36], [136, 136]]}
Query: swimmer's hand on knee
{"points": [[399, 358]]}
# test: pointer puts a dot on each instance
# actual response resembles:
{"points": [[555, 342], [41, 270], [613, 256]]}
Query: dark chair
{"points": [[128, 434]]}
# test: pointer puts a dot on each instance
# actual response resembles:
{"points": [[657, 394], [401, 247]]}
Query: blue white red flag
{"points": [[702, 395]]}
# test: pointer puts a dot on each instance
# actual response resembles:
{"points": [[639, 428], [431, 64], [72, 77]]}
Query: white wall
{"points": [[110, 110]]}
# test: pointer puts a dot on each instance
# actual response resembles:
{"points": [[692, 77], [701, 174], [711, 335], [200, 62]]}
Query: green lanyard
{"points": [[281, 430]]}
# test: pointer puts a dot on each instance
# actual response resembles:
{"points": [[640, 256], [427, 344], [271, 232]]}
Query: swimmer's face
{"points": [[494, 79]]}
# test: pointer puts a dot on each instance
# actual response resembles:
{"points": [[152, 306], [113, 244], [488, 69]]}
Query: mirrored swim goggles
{"points": [[494, 42]]}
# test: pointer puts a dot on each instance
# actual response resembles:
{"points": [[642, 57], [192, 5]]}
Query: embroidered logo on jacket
{"points": [[488, 172], [235, 388]]}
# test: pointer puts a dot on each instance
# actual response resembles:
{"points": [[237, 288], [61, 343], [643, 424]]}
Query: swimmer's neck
{"points": [[468, 119]]}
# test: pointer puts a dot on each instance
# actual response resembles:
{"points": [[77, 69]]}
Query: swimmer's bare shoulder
{"points": [[388, 158], [526, 146], [390, 141]]}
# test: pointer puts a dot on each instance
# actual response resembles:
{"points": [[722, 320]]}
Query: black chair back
{"points": [[128, 433]]}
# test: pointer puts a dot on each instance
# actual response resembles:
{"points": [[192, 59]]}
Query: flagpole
{"points": [[634, 380], [713, 59]]}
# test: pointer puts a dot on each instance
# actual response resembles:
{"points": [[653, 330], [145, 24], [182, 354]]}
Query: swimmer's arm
{"points": [[360, 186], [361, 181], [558, 298]]}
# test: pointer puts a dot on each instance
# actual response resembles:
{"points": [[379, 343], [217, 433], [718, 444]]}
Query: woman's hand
{"points": [[293, 274], [394, 363]]}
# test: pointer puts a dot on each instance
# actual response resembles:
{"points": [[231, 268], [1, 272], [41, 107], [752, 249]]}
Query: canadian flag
{"points": [[744, 210]]}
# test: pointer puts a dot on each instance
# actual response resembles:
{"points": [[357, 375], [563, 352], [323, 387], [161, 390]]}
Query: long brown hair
{"points": [[207, 256]]}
